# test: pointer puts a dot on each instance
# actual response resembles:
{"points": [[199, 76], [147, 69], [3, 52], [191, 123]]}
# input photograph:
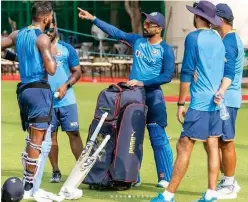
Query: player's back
{"points": [[209, 60], [29, 57], [234, 46]]}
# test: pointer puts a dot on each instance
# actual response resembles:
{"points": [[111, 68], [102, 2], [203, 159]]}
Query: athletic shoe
{"points": [[203, 199], [227, 191], [45, 196], [71, 193], [163, 184], [28, 195], [137, 183], [160, 198], [56, 177]]}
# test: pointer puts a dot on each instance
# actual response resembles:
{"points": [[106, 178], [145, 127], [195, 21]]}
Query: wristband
{"points": [[9, 55]]}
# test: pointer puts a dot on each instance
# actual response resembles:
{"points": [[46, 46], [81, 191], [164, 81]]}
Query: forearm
{"points": [[225, 84], [115, 32], [75, 76], [183, 91], [158, 81]]}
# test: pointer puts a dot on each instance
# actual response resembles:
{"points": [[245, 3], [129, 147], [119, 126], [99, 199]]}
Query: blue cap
{"points": [[207, 10], [225, 12], [12, 190], [156, 18]]}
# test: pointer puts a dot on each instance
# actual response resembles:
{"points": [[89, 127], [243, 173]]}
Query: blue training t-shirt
{"points": [[66, 59], [29, 57], [205, 54], [234, 62], [153, 64]]}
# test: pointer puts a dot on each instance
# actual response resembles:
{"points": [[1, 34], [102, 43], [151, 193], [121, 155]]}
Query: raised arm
{"points": [[109, 29], [9, 41], [44, 45]]}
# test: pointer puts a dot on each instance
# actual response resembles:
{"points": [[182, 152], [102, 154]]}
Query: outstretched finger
{"points": [[81, 10]]}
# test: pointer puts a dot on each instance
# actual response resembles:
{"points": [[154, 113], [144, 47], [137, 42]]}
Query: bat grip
{"points": [[93, 137]]}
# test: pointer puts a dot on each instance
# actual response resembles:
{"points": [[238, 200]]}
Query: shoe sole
{"points": [[228, 196], [237, 189]]}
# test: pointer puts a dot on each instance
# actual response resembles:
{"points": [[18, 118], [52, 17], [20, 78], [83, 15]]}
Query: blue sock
{"points": [[162, 151]]}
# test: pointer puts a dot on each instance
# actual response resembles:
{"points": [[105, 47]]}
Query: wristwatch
{"points": [[180, 104]]}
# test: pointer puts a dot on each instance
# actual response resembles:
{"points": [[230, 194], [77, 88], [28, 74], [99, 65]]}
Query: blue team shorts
{"points": [[199, 125], [33, 103], [156, 107], [229, 125], [66, 117]]}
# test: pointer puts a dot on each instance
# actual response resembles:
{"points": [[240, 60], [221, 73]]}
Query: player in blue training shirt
{"points": [[66, 114], [204, 53], [153, 65], [34, 95], [230, 90]]}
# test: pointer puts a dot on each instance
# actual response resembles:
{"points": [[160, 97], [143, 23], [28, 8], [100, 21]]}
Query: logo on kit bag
{"points": [[132, 143]]}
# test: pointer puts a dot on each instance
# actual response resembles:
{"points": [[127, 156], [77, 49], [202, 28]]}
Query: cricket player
{"points": [[34, 94], [204, 53], [66, 114], [153, 66], [228, 187]]}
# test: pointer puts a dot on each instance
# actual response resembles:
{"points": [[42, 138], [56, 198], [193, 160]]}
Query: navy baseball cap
{"points": [[12, 190], [225, 12], [156, 18], [207, 10]]}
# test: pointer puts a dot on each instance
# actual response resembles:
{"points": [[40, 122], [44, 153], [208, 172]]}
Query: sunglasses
{"points": [[150, 25], [50, 30]]}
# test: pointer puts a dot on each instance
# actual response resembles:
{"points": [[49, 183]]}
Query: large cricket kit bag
{"points": [[120, 161]]}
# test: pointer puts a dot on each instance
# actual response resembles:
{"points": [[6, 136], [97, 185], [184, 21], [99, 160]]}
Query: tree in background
{"points": [[133, 10]]}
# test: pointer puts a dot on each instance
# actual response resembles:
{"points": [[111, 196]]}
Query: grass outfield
{"points": [[194, 183]]}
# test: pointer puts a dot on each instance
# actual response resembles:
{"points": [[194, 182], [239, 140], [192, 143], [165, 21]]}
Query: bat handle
{"points": [[93, 137]]}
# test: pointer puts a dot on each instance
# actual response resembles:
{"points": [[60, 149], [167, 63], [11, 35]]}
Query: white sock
{"points": [[228, 180], [210, 194], [168, 195], [222, 176]]}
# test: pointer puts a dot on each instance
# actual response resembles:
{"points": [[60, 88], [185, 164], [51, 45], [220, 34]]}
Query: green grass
{"points": [[193, 184]]}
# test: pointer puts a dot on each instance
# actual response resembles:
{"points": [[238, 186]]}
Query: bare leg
{"points": [[54, 153], [184, 150], [228, 158], [213, 162], [75, 143]]}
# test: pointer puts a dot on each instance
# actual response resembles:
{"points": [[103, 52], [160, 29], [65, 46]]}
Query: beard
{"points": [[48, 25], [53, 37], [147, 34]]}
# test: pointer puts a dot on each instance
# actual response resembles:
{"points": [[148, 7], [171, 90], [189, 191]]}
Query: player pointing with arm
{"points": [[34, 94], [153, 66]]}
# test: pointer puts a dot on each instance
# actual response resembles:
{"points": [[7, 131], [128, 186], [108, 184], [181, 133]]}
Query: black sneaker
{"points": [[56, 177]]}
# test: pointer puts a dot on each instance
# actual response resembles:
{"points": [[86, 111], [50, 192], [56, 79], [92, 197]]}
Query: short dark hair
{"points": [[228, 22], [41, 8], [204, 19]]}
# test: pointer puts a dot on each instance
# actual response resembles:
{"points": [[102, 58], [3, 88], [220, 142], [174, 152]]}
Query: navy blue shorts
{"points": [[199, 125], [33, 103], [156, 107], [229, 125], [66, 117]]}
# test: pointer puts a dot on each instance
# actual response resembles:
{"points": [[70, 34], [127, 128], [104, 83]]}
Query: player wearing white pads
{"points": [[34, 96]]}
